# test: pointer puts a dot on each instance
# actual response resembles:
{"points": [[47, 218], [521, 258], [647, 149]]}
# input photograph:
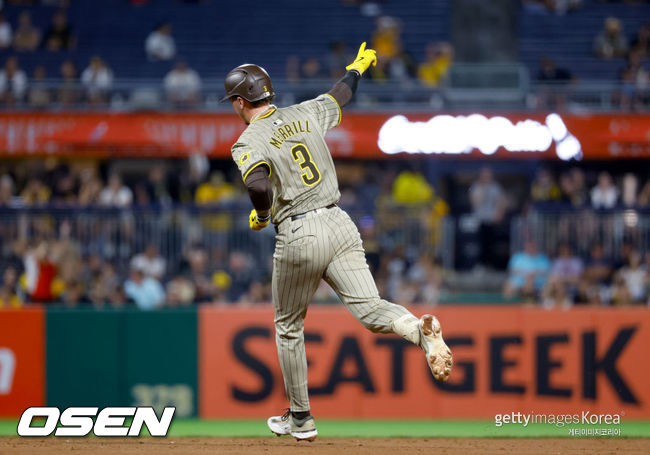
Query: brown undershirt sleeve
{"points": [[344, 89], [259, 188]]}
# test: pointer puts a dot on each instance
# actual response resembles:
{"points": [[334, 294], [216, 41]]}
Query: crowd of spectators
{"points": [[600, 273], [93, 85], [182, 84], [394, 61], [611, 43], [571, 189], [50, 258], [86, 258], [566, 279]]}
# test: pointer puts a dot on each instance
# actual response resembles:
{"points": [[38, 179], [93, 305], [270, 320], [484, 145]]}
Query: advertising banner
{"points": [[360, 135], [507, 359], [122, 358], [22, 360]]}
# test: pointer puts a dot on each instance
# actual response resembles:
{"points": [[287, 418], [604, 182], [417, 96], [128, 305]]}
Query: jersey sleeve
{"points": [[326, 110], [248, 158]]}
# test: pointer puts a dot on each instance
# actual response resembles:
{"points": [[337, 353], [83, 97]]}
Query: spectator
{"points": [[215, 190], [150, 262], [7, 197], [90, 188], [644, 195], [10, 295], [98, 79], [160, 44], [401, 67], [65, 189], [180, 292], [311, 69], [73, 294], [426, 277], [604, 195], [635, 81], [630, 187], [488, 205], [598, 270], [104, 281], [641, 42], [439, 57], [567, 268], [611, 42], [157, 187], [13, 82], [620, 292], [40, 273], [5, 32], [28, 37], [145, 291], [35, 193], [183, 85], [579, 193], [553, 95], [59, 36], [544, 188], [549, 72], [527, 271], [337, 60], [117, 297], [412, 188], [386, 38], [242, 275], [205, 288], [39, 95], [635, 277], [116, 194], [69, 92], [555, 295]]}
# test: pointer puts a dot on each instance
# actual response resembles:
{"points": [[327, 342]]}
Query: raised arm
{"points": [[344, 89]]}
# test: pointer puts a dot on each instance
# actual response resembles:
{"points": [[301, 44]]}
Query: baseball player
{"points": [[291, 180]]}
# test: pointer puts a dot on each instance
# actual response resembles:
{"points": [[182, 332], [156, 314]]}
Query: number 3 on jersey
{"points": [[301, 155]]}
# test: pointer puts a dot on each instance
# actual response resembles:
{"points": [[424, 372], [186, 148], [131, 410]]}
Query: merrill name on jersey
{"points": [[285, 132]]}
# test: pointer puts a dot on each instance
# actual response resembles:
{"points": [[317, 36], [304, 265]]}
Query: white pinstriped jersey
{"points": [[291, 142]]}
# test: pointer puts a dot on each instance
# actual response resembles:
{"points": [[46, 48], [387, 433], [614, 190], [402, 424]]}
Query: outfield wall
{"points": [[220, 362]]}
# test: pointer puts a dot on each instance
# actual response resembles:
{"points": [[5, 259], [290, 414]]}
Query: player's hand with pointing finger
{"points": [[257, 222], [365, 58]]}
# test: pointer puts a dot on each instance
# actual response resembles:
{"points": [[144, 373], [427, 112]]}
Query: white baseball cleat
{"points": [[286, 424], [438, 353]]}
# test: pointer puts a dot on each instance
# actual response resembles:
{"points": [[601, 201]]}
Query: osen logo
{"points": [[78, 421]]}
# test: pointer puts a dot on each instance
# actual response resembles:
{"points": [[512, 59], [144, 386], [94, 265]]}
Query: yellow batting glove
{"points": [[258, 223], [365, 58]]}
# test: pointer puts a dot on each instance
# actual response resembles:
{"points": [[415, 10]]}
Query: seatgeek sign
{"points": [[455, 135]]}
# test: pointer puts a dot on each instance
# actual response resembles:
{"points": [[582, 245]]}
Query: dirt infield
{"points": [[334, 446]]}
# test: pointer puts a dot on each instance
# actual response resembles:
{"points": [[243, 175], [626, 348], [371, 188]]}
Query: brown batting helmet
{"points": [[251, 82]]}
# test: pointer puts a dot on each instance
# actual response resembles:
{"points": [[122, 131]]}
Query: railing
{"points": [[491, 87], [582, 228], [117, 235]]}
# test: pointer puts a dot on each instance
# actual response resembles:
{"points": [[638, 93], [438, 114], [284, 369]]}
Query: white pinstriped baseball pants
{"points": [[324, 245]]}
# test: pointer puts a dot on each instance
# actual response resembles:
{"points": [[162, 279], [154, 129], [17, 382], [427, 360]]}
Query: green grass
{"points": [[380, 429]]}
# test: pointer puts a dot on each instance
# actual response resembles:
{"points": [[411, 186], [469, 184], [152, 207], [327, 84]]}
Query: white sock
{"points": [[408, 327]]}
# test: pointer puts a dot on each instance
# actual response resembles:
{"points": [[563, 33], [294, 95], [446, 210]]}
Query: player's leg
{"points": [[350, 277], [301, 255]]}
